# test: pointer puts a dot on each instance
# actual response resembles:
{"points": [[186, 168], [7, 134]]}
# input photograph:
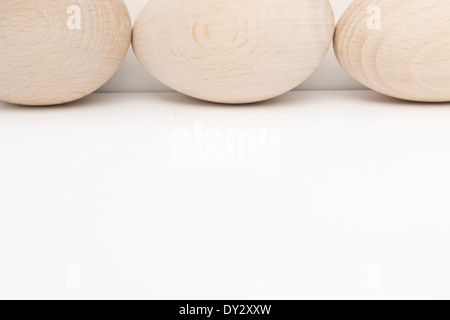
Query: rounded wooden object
{"points": [[233, 51], [399, 48], [52, 52]]}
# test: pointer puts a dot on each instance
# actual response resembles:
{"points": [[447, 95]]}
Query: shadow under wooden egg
{"points": [[89, 101], [287, 99], [384, 100]]}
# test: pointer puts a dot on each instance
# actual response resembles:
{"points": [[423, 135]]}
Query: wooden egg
{"points": [[400, 48], [233, 51], [52, 52]]}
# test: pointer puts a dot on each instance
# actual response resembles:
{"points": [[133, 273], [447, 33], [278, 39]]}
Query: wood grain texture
{"points": [[233, 51], [399, 48], [52, 52]]}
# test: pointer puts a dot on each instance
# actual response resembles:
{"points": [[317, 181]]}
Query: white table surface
{"points": [[311, 195]]}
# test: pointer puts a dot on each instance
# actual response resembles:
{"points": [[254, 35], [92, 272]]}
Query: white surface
{"points": [[132, 77], [353, 204]]}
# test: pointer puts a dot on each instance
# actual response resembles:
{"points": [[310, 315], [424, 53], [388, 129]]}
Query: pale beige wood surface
{"points": [[52, 52], [399, 48], [233, 51]]}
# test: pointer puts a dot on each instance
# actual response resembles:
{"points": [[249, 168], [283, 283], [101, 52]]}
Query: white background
{"points": [[335, 194], [341, 194], [132, 77]]}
